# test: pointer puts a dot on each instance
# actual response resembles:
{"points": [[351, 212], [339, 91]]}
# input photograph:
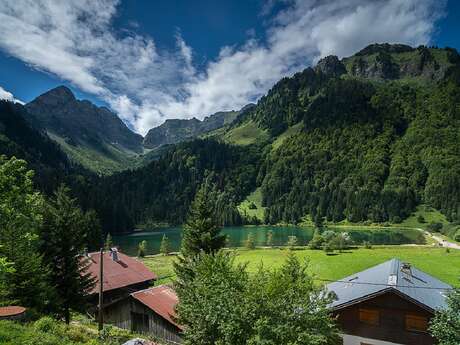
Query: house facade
{"points": [[150, 311], [389, 304]]}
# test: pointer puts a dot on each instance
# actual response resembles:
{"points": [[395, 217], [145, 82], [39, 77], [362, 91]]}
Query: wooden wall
{"points": [[121, 315], [392, 309]]}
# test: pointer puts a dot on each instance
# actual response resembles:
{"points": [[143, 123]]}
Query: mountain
{"points": [[44, 156], [174, 131], [364, 138], [90, 135]]}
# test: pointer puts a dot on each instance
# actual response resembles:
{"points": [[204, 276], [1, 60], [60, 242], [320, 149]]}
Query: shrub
{"points": [[292, 242], [435, 226], [328, 247], [317, 241], [46, 324], [250, 243], [420, 219], [367, 244], [142, 249]]}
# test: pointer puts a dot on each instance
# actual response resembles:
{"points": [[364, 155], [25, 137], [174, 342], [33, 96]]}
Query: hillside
{"points": [[331, 142], [92, 136], [174, 131]]}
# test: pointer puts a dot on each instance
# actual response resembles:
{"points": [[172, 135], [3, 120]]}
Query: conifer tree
{"points": [[164, 246], [62, 240], [201, 231], [108, 244]]}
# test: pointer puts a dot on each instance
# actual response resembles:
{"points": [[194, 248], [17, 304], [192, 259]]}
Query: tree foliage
{"points": [[62, 240], [222, 304], [445, 326]]}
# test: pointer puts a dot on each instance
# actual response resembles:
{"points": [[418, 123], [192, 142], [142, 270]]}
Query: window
{"points": [[416, 323], [369, 316]]}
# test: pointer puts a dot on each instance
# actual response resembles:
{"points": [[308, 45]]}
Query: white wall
{"points": [[355, 340]]}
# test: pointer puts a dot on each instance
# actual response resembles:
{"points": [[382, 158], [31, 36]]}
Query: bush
{"points": [[46, 324], [317, 241], [457, 236], [420, 219], [367, 244], [292, 242], [435, 226], [328, 247], [250, 243]]}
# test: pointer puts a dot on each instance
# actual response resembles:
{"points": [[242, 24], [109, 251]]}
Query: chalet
{"points": [[388, 304], [123, 275], [150, 311]]}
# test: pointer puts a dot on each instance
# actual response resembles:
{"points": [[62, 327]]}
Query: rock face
{"points": [[173, 131], [81, 122], [331, 66], [398, 61]]}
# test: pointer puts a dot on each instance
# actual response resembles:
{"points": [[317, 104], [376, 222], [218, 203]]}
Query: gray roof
{"points": [[393, 275]]}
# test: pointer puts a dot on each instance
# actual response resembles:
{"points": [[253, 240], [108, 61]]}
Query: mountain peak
{"points": [[61, 92]]}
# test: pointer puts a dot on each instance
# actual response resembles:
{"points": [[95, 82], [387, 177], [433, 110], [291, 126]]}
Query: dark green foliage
{"points": [[25, 276], [445, 326], [201, 232], [317, 241], [421, 219], [222, 304], [164, 190], [62, 239], [435, 226]]}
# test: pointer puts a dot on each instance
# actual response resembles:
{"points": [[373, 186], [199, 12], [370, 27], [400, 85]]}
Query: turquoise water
{"points": [[237, 235]]}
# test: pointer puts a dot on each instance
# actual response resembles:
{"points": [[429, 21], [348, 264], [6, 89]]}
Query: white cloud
{"points": [[76, 41], [6, 95]]}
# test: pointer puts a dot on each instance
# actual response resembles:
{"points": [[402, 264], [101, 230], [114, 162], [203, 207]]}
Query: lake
{"points": [[237, 235]]}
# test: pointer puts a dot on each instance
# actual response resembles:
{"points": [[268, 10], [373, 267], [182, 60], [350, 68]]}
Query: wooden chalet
{"points": [[123, 275], [150, 311], [388, 304]]}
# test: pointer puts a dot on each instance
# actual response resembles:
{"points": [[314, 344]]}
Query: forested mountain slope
{"points": [[44, 156], [334, 141]]}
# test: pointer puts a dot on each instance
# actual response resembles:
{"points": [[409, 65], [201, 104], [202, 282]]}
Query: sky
{"points": [[153, 60]]}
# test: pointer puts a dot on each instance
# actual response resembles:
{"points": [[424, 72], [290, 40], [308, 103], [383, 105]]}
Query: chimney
{"points": [[406, 268], [114, 254]]}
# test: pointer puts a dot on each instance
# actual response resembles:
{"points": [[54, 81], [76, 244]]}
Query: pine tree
{"points": [[108, 244], [201, 231], [62, 240], [164, 246]]}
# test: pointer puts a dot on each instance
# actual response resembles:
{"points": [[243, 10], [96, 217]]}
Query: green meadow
{"points": [[438, 262]]}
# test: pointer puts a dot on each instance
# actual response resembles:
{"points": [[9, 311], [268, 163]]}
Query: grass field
{"points": [[434, 261], [246, 134], [256, 198]]}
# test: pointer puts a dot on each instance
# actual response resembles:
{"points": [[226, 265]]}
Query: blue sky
{"points": [[152, 60]]}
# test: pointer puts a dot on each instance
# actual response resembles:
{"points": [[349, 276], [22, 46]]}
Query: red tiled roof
{"points": [[11, 310], [161, 299], [124, 272]]}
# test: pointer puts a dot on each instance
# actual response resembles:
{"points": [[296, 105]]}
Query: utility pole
{"points": [[101, 290]]}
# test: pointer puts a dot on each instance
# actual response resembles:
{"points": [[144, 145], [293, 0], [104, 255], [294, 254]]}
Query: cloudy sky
{"points": [[153, 60]]}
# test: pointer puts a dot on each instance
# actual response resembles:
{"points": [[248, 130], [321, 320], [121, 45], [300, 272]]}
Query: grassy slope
{"points": [[256, 198], [286, 134], [435, 261], [246, 134], [95, 160]]}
